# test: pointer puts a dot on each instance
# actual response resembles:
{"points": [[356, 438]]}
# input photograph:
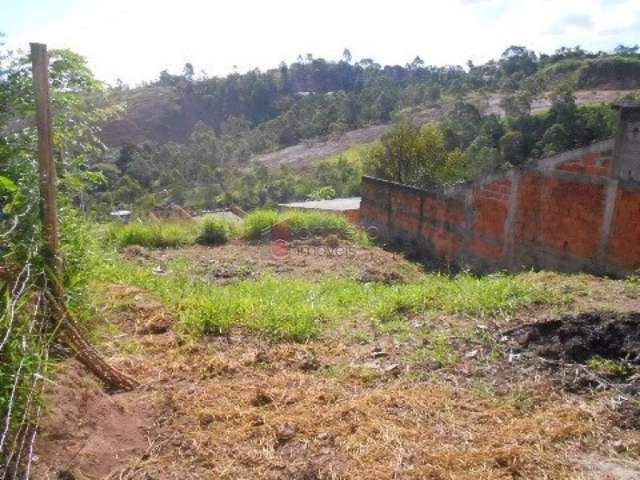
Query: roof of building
{"points": [[120, 213], [224, 214], [337, 204]]}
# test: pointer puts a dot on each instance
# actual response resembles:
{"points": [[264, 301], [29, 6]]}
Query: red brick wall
{"points": [[551, 215], [624, 240], [491, 206], [562, 215], [597, 164]]}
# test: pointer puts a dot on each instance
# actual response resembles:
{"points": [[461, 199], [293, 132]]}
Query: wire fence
{"points": [[24, 349]]}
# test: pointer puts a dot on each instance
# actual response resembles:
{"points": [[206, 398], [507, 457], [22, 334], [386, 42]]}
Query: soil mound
{"points": [[582, 337]]}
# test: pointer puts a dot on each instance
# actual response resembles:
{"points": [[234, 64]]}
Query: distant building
{"points": [[122, 215], [225, 214]]}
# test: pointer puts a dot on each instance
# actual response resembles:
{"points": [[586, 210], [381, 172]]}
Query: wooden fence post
{"points": [[70, 332], [47, 166]]}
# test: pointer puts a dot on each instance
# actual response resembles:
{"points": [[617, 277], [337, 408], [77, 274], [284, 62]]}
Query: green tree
{"points": [[512, 147]]}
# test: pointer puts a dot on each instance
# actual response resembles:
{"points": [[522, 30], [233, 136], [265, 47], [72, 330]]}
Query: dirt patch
{"points": [[580, 338], [309, 260], [595, 467], [85, 430], [139, 313]]}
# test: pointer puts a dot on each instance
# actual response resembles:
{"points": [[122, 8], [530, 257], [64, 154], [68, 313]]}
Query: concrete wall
{"points": [[577, 211]]}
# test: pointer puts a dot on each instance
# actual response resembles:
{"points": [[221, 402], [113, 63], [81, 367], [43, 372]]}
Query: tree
{"points": [[346, 55], [517, 104], [556, 139], [188, 72], [518, 59], [512, 147], [416, 64], [411, 155], [626, 51]]}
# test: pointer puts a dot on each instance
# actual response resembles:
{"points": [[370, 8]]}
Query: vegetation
{"points": [[468, 144], [611, 368], [258, 223], [215, 231], [153, 234], [211, 127], [301, 310], [24, 336]]}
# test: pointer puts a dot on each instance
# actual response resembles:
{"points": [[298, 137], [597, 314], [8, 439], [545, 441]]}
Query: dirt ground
{"points": [[311, 260], [364, 405]]}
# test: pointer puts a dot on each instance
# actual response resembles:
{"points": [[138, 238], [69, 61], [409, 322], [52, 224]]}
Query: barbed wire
{"points": [[16, 222], [24, 324], [17, 291], [23, 430]]}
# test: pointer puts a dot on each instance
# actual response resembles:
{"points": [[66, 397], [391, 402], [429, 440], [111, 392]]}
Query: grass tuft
{"points": [[258, 223], [215, 231], [153, 235]]}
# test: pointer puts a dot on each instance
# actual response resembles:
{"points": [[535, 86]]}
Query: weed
{"points": [[300, 310], [258, 222], [611, 368], [522, 402], [437, 351], [152, 235], [215, 231]]}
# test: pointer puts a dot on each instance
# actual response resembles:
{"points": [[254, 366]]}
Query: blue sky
{"points": [[135, 39]]}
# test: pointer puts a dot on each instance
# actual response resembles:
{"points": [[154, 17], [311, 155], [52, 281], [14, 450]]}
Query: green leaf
{"points": [[7, 185]]}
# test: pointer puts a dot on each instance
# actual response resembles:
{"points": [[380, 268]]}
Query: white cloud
{"points": [[134, 40]]}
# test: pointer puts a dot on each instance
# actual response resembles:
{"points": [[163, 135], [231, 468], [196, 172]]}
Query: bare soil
{"points": [[314, 259], [605, 334], [364, 404]]}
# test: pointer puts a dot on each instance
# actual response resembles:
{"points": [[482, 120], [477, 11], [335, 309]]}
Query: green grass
{"points": [[300, 310], [258, 224], [215, 231], [611, 368], [153, 235]]}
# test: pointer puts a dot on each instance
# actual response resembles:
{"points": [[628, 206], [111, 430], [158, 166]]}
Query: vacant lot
{"points": [[355, 365]]}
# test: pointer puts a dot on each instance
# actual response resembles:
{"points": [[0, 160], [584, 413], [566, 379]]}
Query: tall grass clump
{"points": [[305, 224], [258, 223], [301, 224], [153, 235], [215, 231]]}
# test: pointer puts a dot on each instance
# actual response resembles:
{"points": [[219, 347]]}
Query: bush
{"points": [[215, 231], [258, 222], [153, 235]]}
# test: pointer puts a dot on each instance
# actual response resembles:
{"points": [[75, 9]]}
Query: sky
{"points": [[133, 40]]}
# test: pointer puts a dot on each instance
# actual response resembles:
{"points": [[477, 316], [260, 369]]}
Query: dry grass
{"points": [[245, 407]]}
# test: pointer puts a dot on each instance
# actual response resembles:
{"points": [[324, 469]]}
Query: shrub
{"points": [[258, 222], [152, 235], [215, 231]]}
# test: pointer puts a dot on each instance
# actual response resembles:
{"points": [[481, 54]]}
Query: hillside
{"points": [[333, 97], [207, 142], [311, 151]]}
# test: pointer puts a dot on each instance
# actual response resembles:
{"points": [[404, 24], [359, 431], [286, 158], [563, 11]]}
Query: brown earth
{"points": [[367, 403], [315, 259]]}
